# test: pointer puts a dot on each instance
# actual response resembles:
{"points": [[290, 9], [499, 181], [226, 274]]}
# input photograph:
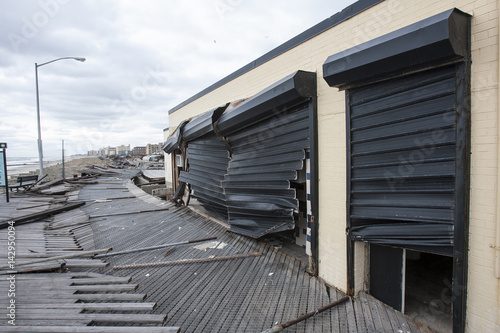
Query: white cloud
{"points": [[143, 58]]}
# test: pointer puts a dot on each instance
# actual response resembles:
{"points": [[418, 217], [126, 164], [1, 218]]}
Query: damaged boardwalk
{"points": [[204, 279]]}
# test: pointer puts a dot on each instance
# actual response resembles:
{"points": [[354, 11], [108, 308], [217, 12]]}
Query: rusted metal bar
{"points": [[190, 261], [168, 251], [281, 327], [154, 247]]}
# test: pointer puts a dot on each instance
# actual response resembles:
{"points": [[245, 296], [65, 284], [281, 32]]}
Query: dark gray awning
{"points": [[174, 140], [203, 124], [438, 39], [192, 129], [269, 102]]}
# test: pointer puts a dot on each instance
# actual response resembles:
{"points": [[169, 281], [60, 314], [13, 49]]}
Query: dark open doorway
{"points": [[428, 292]]}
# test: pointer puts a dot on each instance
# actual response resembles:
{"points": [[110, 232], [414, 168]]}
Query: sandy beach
{"points": [[53, 169]]}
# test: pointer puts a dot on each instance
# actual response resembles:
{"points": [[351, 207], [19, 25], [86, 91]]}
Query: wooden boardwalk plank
{"points": [[130, 318], [94, 306], [214, 305]]}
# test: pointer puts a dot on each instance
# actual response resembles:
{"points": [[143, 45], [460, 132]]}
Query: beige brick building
{"points": [[439, 220], [153, 148]]}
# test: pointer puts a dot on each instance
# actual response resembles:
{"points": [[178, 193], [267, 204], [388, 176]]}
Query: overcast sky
{"points": [[143, 58]]}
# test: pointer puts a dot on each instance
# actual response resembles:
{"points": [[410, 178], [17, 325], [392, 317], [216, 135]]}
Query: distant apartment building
{"points": [[123, 150], [154, 149], [107, 151], [141, 151], [93, 153]]}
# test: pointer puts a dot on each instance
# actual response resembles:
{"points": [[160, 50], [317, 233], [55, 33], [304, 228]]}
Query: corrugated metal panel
{"points": [[208, 159], [403, 148], [266, 157]]}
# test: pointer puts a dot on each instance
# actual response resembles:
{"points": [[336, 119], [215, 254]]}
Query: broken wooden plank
{"points": [[89, 263], [36, 268], [110, 297], [65, 256], [40, 215], [94, 306], [104, 280], [190, 261], [107, 287], [130, 318]]}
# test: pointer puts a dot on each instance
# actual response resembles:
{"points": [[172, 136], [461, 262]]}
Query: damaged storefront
{"points": [[249, 161], [408, 144], [371, 140]]}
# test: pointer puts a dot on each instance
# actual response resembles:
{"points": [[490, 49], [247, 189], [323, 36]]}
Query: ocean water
{"points": [[21, 165]]}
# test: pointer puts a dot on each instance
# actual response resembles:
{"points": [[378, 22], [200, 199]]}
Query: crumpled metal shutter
{"points": [[266, 157], [403, 151], [208, 159], [267, 134]]}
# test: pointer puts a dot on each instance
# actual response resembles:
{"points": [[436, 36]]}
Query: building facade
{"points": [[154, 149], [139, 151], [374, 134], [123, 150]]}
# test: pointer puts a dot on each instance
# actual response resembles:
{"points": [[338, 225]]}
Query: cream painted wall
{"points": [[483, 310]]}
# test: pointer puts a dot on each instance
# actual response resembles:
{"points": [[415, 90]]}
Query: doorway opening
{"points": [[428, 290]]}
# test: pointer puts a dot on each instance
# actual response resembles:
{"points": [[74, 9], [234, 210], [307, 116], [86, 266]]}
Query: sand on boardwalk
{"points": [[53, 170]]}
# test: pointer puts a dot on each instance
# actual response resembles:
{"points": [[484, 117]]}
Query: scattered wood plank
{"points": [[103, 280], [129, 318], [41, 215], [110, 297], [66, 256], [94, 306], [107, 287]]}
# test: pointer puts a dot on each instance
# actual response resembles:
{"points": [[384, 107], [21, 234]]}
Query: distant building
{"points": [[154, 149], [140, 151], [123, 150], [107, 151], [93, 153]]}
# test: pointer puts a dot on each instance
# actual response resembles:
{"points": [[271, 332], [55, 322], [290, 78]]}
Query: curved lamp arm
{"points": [[48, 62]]}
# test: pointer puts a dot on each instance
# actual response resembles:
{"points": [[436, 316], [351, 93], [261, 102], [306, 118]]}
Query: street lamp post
{"points": [[40, 150]]}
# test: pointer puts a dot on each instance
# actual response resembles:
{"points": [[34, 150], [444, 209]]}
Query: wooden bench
{"points": [[23, 182]]}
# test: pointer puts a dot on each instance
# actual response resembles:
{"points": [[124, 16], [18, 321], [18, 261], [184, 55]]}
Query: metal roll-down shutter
{"points": [[268, 134], [265, 159], [403, 147], [208, 159]]}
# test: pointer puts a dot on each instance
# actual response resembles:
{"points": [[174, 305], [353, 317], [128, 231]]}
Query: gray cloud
{"points": [[143, 58]]}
